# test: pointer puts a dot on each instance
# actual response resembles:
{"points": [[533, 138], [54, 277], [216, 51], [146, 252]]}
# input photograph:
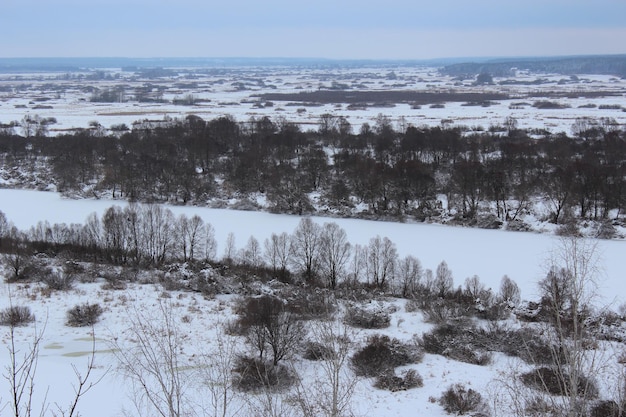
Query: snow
{"points": [[490, 254], [487, 253]]}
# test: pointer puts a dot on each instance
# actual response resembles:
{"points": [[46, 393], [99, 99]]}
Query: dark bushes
{"points": [[391, 382], [59, 281], [254, 374], [525, 343], [456, 341], [557, 382], [460, 401], [606, 408], [382, 355], [367, 319], [83, 315], [315, 351], [16, 316]]}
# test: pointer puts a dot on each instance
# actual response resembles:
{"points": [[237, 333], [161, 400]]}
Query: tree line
{"points": [[149, 235], [391, 169]]}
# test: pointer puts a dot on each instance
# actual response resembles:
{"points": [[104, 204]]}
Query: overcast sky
{"points": [[390, 29]]}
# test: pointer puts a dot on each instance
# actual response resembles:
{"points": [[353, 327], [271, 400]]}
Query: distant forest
{"points": [[603, 64], [586, 64], [385, 171]]}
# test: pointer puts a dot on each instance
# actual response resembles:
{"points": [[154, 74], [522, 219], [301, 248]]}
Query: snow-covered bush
{"points": [[442, 311], [316, 351], [16, 316], [606, 408], [382, 355], [457, 341], [59, 281], [460, 401], [254, 374], [82, 315], [391, 382], [556, 381], [367, 319]]}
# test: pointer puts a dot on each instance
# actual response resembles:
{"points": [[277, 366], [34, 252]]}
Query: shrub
{"points": [[367, 319], [442, 311], [606, 408], [391, 382], [457, 341], [59, 281], [545, 104], [382, 355], [83, 315], [610, 107], [411, 306], [16, 316], [309, 304], [538, 406], [459, 400], [315, 351], [526, 344], [556, 382], [234, 328], [253, 374]]}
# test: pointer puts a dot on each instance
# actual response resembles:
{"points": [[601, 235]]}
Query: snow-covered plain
{"points": [[490, 254], [235, 91]]}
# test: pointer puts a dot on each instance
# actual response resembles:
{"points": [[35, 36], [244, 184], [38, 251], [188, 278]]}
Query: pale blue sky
{"points": [[391, 29]]}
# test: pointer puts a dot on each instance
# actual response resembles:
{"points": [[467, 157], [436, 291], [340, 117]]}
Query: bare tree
{"points": [[278, 253], [509, 291], [158, 232], [210, 243], [21, 374], [330, 393], [409, 274], [444, 281], [230, 249], [334, 253], [216, 376], [251, 253], [4, 227], [115, 234], [565, 386], [271, 327], [428, 284], [306, 245], [381, 261], [152, 363], [570, 288], [358, 265], [17, 259], [474, 289], [92, 232], [190, 233]]}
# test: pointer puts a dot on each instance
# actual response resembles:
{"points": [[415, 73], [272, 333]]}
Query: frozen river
{"points": [[490, 254]]}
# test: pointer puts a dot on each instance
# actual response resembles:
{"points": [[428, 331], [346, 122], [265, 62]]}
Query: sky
{"points": [[335, 29]]}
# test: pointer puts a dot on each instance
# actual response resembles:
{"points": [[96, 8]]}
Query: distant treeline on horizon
{"points": [[587, 64]]}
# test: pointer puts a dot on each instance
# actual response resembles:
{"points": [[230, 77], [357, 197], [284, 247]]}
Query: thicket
{"points": [[396, 173]]}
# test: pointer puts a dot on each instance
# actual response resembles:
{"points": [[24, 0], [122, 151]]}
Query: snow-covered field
{"points": [[489, 254], [235, 92]]}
